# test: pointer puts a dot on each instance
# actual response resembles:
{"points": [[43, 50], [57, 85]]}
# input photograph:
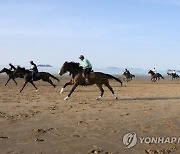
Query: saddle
{"points": [[91, 75], [37, 75]]}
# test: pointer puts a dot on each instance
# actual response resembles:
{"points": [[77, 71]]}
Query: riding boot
{"points": [[32, 79]]}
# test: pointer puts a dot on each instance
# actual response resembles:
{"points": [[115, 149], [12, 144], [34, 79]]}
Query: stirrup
{"points": [[86, 81]]}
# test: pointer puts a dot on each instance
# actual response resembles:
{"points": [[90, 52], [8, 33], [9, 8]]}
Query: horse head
{"points": [[71, 67], [63, 69], [21, 71], [151, 72], [3, 70]]}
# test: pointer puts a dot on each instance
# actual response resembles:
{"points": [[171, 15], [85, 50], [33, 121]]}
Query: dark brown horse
{"points": [[77, 78], [11, 75], [45, 76], [155, 77], [128, 77], [174, 76]]}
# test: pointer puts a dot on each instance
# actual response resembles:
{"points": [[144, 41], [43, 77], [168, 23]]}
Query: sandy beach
{"points": [[42, 122]]}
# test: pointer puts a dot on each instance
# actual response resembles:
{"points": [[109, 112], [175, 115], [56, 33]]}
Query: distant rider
{"points": [[34, 69], [154, 70], [87, 68], [12, 67], [127, 71], [174, 72]]}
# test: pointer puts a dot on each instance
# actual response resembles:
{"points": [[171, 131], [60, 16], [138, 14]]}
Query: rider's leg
{"points": [[87, 72]]}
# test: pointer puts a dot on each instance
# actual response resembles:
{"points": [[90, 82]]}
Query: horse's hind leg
{"points": [[51, 83], [14, 81], [110, 88], [34, 86], [101, 89]]}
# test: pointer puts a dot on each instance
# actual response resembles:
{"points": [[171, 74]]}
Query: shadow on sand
{"points": [[149, 98]]}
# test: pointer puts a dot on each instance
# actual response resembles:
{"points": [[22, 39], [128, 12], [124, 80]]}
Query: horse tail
{"points": [[162, 77], [112, 77], [53, 77]]}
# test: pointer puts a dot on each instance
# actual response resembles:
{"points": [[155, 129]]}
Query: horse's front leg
{"points": [[23, 86], [7, 81], [72, 90], [152, 79], [66, 84]]}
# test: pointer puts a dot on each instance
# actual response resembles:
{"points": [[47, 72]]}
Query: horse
{"points": [[11, 75], [174, 76], [78, 78], [128, 77], [155, 76], [27, 74]]}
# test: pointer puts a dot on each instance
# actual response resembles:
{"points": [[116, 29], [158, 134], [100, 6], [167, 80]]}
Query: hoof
{"points": [[36, 90], [62, 90], [99, 98], [115, 96], [66, 98]]}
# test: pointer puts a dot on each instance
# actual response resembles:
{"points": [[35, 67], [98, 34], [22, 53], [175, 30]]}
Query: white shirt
{"points": [[154, 70], [174, 72]]}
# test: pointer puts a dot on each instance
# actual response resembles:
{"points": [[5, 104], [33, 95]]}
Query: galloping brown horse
{"points": [[128, 77], [174, 76], [155, 76], [45, 76], [11, 75], [77, 78]]}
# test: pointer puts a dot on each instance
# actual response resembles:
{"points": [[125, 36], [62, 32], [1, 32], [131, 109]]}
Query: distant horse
{"points": [[128, 77], [78, 78], [11, 75], [174, 76], [45, 76], [155, 76]]}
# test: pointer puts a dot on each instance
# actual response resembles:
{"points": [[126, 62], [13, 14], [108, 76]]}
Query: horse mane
{"points": [[76, 65]]}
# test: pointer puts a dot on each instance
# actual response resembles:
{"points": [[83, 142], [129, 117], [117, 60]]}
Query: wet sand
{"points": [[42, 122]]}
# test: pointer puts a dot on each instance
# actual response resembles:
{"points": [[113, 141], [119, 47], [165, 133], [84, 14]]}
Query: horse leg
{"points": [[158, 78], [72, 90], [101, 89], [51, 83], [7, 81], [68, 83], [14, 81], [23, 86], [110, 88], [34, 85]]}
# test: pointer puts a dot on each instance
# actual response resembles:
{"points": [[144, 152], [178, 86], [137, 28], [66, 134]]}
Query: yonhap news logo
{"points": [[131, 139]]}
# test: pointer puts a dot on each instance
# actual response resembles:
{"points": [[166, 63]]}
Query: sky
{"points": [[110, 33]]}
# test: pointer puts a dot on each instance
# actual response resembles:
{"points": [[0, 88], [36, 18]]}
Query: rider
{"points": [[154, 70], [127, 71], [87, 67], [34, 69], [12, 67], [173, 72]]}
